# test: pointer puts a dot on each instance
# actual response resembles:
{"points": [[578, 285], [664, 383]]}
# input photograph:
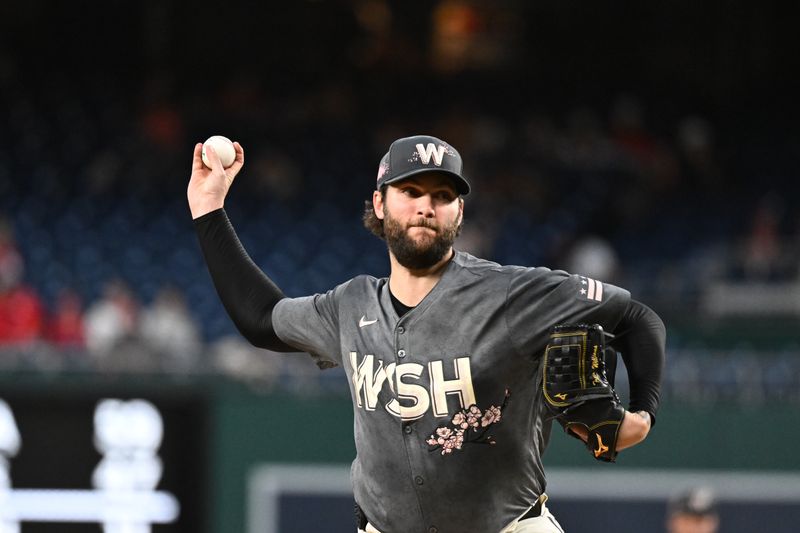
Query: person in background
{"points": [[168, 327], [65, 328], [21, 310], [111, 320], [693, 511]]}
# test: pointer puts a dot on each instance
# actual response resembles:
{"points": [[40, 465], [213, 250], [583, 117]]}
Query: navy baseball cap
{"points": [[418, 154], [697, 501]]}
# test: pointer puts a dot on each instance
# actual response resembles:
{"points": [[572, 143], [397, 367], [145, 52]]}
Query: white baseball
{"points": [[224, 148]]}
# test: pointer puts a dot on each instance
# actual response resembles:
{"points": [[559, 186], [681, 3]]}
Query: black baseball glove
{"points": [[577, 390]]}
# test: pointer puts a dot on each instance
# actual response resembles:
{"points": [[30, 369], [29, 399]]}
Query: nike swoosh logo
{"points": [[364, 322]]}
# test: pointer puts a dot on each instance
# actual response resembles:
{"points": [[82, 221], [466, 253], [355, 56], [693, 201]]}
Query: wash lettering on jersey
{"points": [[370, 375]]}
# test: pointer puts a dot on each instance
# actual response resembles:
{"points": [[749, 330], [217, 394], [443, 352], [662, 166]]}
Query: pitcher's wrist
{"points": [[201, 208]]}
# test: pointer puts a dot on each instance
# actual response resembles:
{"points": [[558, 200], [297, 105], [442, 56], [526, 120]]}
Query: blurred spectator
{"points": [[275, 175], [762, 255], [231, 355], [375, 22], [466, 35], [111, 320], [161, 124], [167, 327], [695, 141], [628, 129], [456, 28], [593, 257], [585, 145], [693, 511], [21, 311], [652, 160], [65, 328]]}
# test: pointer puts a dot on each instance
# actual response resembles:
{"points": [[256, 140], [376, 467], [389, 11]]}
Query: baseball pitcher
{"points": [[457, 366]]}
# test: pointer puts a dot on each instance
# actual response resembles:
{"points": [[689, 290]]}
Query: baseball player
{"points": [[693, 511], [445, 357]]}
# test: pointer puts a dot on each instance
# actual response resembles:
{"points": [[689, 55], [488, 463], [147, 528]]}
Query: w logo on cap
{"points": [[420, 154], [425, 153]]}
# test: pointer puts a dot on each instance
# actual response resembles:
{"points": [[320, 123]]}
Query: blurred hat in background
{"points": [[698, 501]]}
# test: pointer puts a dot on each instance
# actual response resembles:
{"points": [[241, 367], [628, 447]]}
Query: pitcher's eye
{"points": [[445, 196]]}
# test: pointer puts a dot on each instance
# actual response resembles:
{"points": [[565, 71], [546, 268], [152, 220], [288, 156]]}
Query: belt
{"points": [[536, 510], [533, 512]]}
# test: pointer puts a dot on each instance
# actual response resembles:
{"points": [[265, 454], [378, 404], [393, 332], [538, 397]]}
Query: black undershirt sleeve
{"points": [[641, 339], [247, 294]]}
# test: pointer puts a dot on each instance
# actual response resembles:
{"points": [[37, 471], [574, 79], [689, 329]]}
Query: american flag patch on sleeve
{"points": [[590, 289]]}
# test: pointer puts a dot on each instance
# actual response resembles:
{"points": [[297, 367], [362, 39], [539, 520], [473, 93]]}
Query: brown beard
{"points": [[416, 255]]}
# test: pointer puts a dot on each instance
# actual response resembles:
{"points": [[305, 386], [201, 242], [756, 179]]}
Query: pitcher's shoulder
{"points": [[468, 262], [363, 283], [478, 265]]}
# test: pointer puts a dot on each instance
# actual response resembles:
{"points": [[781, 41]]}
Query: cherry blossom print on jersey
{"points": [[467, 426]]}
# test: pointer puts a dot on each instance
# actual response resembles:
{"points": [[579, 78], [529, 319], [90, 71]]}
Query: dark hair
{"points": [[370, 219]]}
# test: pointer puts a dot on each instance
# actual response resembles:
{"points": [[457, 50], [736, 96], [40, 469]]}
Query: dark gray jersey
{"points": [[449, 429]]}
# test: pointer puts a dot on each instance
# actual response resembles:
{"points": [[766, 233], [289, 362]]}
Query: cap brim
{"points": [[462, 185]]}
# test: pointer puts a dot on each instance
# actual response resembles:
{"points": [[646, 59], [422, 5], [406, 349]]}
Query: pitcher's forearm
{"points": [[247, 294], [633, 430]]}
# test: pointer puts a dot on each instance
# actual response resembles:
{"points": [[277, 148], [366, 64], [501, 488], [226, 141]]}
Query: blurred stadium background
{"points": [[652, 145]]}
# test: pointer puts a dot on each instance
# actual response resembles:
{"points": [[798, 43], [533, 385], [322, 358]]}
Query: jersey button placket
{"points": [[399, 342], [401, 353]]}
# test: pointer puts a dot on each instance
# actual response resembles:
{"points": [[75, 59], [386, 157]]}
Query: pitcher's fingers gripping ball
{"points": [[224, 149], [576, 388]]}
